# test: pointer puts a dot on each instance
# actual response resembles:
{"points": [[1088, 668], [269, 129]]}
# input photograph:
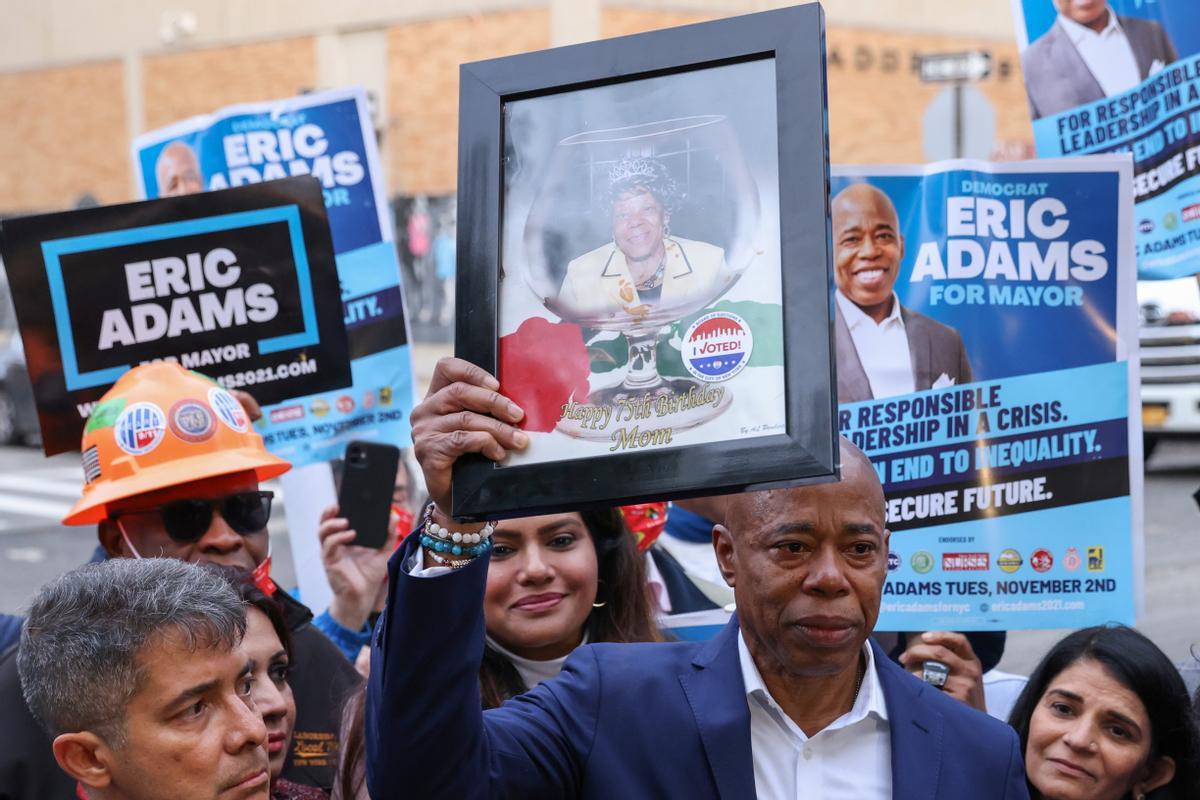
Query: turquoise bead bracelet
{"points": [[442, 546]]}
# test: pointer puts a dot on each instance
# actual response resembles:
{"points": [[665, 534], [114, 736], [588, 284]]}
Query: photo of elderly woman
{"points": [[640, 286], [644, 264]]}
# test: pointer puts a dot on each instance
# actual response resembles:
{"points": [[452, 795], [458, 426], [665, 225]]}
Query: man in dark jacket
{"points": [[173, 470]]}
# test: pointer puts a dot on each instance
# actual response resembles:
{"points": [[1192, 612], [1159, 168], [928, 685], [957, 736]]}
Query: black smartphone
{"points": [[365, 496]]}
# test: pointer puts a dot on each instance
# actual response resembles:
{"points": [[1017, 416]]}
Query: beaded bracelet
{"points": [[436, 545], [450, 562], [437, 538]]}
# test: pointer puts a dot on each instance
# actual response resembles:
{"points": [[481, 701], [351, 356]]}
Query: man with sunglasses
{"points": [[172, 468]]}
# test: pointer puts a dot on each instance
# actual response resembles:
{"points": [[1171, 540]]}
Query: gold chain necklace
{"points": [[655, 280], [862, 674]]}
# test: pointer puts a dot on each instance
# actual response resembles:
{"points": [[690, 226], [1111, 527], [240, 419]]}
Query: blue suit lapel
{"points": [[717, 695], [916, 730]]}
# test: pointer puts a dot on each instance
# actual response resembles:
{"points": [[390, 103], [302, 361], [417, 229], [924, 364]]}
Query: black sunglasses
{"points": [[188, 520]]}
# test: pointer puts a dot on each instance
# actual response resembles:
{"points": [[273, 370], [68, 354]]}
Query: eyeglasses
{"points": [[188, 520]]}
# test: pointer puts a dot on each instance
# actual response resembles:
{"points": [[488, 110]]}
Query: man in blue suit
{"points": [[790, 700]]}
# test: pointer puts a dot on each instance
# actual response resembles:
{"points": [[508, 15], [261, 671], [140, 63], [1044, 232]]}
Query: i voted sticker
{"points": [[717, 346]]}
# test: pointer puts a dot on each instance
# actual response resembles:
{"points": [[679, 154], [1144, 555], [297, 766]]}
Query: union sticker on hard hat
{"points": [[140, 428], [191, 421], [228, 409], [717, 346]]}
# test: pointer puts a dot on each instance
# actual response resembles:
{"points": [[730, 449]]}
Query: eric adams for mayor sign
{"points": [[239, 285]]}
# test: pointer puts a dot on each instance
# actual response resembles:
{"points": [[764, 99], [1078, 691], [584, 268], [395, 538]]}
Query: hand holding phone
{"points": [[365, 496]]}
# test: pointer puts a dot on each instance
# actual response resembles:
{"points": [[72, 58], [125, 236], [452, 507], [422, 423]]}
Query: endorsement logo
{"points": [[894, 561], [1171, 220], [922, 561], [287, 413], [345, 404], [1041, 560], [1191, 213], [1072, 561], [228, 409], [191, 421], [965, 562], [319, 407], [1146, 226], [1009, 560], [717, 346], [1095, 559], [140, 428]]}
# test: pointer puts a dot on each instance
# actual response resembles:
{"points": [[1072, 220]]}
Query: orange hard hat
{"points": [[161, 426]]}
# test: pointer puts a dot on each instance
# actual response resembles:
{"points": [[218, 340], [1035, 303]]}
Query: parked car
{"points": [[1169, 316], [18, 413]]}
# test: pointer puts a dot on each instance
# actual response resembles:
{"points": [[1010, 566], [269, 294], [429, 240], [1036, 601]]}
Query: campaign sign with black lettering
{"points": [[232, 283], [331, 136]]}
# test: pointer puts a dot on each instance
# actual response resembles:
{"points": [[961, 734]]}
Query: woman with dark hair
{"points": [[1105, 716], [268, 643], [556, 582]]}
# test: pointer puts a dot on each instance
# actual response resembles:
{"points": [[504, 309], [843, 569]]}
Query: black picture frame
{"points": [[808, 451]]}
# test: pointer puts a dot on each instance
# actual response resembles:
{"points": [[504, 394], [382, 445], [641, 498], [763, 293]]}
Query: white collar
{"points": [[1077, 32], [654, 581], [870, 698], [532, 672], [855, 316]]}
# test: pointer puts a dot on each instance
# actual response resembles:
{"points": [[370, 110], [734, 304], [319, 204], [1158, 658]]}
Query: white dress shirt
{"points": [[882, 348], [851, 759], [696, 558], [657, 586], [1107, 54], [1000, 692]]}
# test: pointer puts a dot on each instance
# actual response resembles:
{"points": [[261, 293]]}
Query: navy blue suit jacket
{"points": [[622, 720]]}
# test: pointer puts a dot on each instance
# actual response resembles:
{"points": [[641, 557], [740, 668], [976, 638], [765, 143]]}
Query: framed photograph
{"points": [[644, 264]]}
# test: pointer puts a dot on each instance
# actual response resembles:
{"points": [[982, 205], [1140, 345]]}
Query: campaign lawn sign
{"points": [[329, 136], [239, 285], [1131, 87], [1013, 472]]}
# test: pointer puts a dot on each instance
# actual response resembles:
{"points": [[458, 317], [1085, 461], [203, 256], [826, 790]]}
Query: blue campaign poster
{"points": [[327, 135], [1126, 81], [1010, 461]]}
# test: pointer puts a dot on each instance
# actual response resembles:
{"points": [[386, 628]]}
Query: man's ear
{"points": [[110, 539], [726, 556], [85, 757]]}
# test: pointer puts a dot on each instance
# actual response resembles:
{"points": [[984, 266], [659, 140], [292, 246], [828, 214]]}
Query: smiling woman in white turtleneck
{"points": [[556, 582], [531, 671]]}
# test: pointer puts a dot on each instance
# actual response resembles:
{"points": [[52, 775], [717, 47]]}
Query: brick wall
{"points": [[422, 124], [181, 85], [66, 126], [63, 135], [875, 100]]}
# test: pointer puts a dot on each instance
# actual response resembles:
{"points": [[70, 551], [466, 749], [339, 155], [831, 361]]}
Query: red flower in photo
{"points": [[543, 365]]}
